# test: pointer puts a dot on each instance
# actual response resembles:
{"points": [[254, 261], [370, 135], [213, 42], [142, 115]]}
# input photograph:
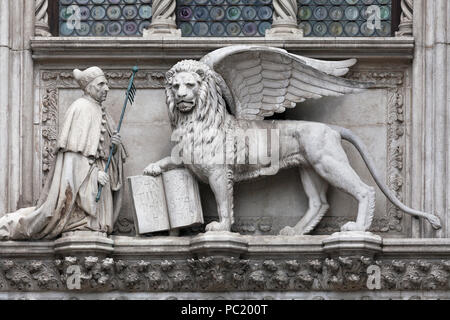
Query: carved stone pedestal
{"points": [[284, 20], [352, 244], [84, 243], [162, 28], [163, 20], [285, 32], [219, 244]]}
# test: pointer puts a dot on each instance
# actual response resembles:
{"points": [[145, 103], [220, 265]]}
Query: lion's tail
{"points": [[359, 145]]}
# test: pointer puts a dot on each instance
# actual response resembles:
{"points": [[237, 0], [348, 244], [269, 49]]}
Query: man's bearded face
{"points": [[98, 89]]}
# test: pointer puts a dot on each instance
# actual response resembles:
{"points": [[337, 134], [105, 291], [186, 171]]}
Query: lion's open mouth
{"points": [[185, 106]]}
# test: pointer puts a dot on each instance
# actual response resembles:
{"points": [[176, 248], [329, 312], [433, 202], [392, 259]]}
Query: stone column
{"points": [[41, 23], [430, 114], [163, 19], [5, 49], [284, 19], [406, 19], [16, 103]]}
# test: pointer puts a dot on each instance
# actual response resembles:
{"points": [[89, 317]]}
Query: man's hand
{"points": [[153, 170], [116, 139], [102, 178]]}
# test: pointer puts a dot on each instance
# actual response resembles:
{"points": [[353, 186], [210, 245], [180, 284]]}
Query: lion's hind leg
{"points": [[315, 188], [340, 174], [328, 158]]}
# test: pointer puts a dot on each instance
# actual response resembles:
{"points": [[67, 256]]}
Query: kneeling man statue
{"points": [[68, 201]]}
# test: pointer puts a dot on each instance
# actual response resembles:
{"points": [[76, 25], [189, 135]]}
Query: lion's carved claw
{"points": [[351, 226], [288, 231], [218, 226], [153, 170]]}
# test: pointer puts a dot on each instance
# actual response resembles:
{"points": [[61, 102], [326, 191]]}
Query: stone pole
{"points": [[406, 19], [163, 20], [5, 49], [284, 20], [16, 104], [41, 23], [430, 113]]}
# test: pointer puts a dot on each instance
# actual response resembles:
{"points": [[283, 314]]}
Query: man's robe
{"points": [[67, 202]]}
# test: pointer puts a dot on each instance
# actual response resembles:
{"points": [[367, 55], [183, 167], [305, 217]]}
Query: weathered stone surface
{"points": [[83, 243], [183, 199], [350, 243], [408, 140], [149, 204], [278, 267], [167, 202], [256, 83]]}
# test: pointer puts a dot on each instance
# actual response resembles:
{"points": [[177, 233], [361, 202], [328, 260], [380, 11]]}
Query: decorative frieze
{"points": [[395, 156], [221, 274]]}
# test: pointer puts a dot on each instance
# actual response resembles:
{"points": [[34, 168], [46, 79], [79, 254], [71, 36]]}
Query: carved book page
{"points": [[166, 202], [149, 203], [183, 198]]}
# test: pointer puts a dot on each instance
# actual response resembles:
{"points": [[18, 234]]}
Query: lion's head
{"points": [[193, 94]]}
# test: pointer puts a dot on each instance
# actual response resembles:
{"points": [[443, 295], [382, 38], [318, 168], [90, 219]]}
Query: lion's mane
{"points": [[205, 124]]}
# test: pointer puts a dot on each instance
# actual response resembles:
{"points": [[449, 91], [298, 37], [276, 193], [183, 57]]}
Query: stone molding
{"points": [[59, 50], [287, 264]]}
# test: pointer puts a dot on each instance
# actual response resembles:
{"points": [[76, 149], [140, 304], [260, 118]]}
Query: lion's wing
{"points": [[263, 80]]}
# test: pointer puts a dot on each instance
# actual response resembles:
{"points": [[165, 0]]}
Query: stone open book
{"points": [[169, 201]]}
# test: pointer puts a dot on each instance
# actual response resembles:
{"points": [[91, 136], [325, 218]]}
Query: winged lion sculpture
{"points": [[232, 90]]}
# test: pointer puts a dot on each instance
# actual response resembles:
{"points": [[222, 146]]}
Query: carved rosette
{"points": [[41, 19], [222, 274], [163, 19], [285, 19], [406, 19]]}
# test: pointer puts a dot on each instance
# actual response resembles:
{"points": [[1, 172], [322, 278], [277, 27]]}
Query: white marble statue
{"points": [[232, 90], [68, 201]]}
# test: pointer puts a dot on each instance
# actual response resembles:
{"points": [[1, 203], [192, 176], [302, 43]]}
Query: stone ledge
{"points": [[257, 246], [168, 50], [83, 243], [352, 243]]}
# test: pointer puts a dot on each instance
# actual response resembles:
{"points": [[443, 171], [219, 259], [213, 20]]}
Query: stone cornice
{"points": [[257, 246], [173, 49]]}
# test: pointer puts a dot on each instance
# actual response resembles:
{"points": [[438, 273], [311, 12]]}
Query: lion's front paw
{"points": [[218, 226], [153, 170], [351, 226], [287, 231]]}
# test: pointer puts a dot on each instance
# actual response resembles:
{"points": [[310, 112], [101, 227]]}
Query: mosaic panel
{"points": [[104, 17], [345, 18], [224, 18]]}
